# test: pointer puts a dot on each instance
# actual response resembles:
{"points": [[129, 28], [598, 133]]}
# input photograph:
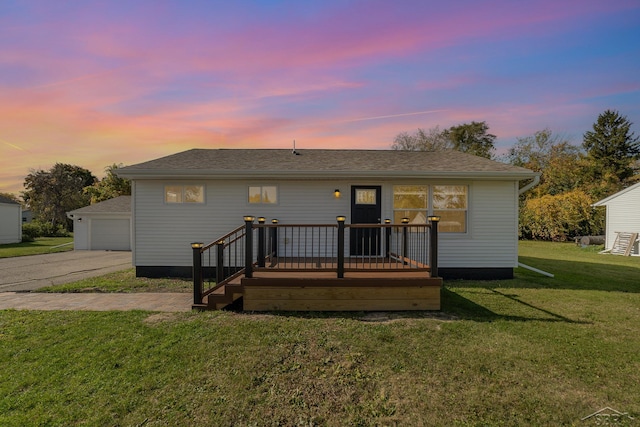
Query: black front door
{"points": [[366, 208]]}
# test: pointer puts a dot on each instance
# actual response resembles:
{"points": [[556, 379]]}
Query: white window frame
{"points": [[424, 210], [262, 193], [435, 211], [430, 209], [182, 199]]}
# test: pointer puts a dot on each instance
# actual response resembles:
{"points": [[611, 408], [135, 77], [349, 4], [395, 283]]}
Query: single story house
{"points": [[10, 221], [201, 194], [103, 226], [623, 216]]}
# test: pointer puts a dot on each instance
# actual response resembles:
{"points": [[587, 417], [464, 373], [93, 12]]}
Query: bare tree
{"points": [[430, 140]]}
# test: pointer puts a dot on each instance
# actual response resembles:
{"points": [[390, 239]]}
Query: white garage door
{"points": [[110, 234]]}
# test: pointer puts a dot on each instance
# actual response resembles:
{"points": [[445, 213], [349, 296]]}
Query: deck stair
{"points": [[225, 294]]}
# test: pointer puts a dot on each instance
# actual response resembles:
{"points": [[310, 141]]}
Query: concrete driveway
{"points": [[28, 273]]}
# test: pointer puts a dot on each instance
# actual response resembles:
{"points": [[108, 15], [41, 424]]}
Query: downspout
{"points": [[529, 186]]}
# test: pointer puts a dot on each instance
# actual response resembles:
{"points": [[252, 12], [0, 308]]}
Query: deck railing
{"points": [[262, 247], [218, 262]]}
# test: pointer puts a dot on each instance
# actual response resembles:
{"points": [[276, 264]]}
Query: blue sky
{"points": [[94, 83]]}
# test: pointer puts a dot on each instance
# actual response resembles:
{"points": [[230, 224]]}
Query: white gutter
{"points": [[529, 186]]}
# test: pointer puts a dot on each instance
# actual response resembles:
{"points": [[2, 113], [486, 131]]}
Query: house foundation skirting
{"points": [[168, 271], [476, 273]]}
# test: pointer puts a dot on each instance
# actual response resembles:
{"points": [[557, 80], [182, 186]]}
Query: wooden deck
{"points": [[323, 291], [396, 270]]}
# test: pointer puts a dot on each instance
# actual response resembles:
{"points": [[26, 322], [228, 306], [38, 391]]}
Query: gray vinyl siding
{"points": [[623, 215], [492, 238], [10, 223], [163, 232]]}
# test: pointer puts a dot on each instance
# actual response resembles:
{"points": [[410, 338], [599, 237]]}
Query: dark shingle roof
{"points": [[4, 199], [121, 204], [274, 163]]}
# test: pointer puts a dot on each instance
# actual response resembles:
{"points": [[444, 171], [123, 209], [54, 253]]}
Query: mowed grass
{"points": [[41, 245], [123, 281], [522, 352]]}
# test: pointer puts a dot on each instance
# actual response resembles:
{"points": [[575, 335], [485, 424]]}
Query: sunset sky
{"points": [[94, 83]]}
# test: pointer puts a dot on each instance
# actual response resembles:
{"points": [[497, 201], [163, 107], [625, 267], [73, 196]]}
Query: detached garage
{"points": [[10, 221], [623, 221], [103, 226]]}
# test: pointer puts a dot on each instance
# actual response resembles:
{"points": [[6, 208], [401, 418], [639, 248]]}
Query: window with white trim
{"points": [[410, 201], [263, 194], [417, 202], [184, 193], [450, 204]]}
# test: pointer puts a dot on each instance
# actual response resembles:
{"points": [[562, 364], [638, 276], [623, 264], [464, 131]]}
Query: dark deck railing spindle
{"points": [[197, 272], [248, 250], [341, 220], [261, 246], [433, 250]]}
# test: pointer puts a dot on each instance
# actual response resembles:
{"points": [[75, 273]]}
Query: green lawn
{"points": [[41, 245], [123, 281], [529, 351]]}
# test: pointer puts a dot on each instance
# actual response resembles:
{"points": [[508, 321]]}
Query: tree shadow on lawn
{"points": [[454, 307], [569, 275], [513, 307]]}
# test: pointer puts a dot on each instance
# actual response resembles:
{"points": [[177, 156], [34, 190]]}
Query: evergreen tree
{"points": [[612, 149]]}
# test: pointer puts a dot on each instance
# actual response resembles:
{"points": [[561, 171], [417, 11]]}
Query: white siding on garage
{"points": [[163, 231], [81, 234], [110, 234], [623, 215], [10, 223]]}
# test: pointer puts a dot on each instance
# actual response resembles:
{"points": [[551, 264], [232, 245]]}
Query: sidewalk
{"points": [[96, 301]]}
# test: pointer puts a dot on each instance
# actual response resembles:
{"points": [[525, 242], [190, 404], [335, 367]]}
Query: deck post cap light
{"points": [[197, 245], [249, 218], [387, 221], [405, 220], [433, 218], [341, 218], [261, 219], [274, 221]]}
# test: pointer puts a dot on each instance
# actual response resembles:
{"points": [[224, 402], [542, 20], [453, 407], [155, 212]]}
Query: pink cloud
{"points": [[96, 86]]}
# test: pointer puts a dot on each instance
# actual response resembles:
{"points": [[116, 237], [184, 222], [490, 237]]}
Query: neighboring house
{"points": [[10, 221], [623, 215], [27, 216], [201, 194], [103, 226]]}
